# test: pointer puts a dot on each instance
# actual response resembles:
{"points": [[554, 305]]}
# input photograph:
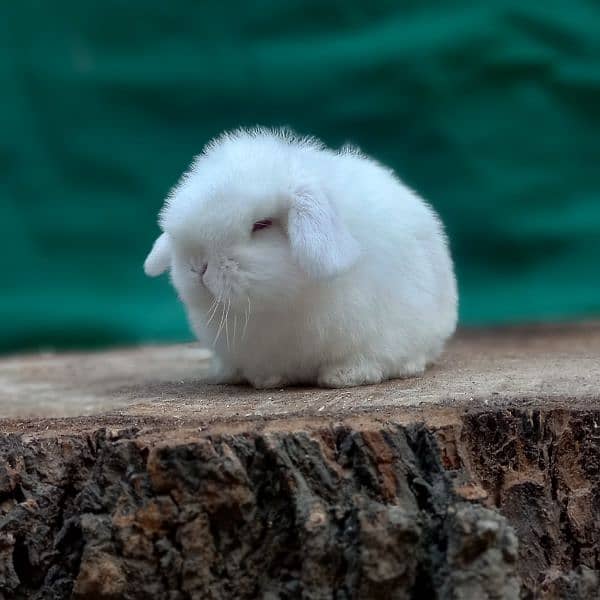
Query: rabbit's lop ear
{"points": [[320, 242], [159, 258]]}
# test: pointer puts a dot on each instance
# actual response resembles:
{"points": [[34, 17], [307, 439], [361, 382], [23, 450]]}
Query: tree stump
{"points": [[123, 476]]}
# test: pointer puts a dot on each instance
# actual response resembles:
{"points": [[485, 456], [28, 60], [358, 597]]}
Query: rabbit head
{"points": [[248, 222]]}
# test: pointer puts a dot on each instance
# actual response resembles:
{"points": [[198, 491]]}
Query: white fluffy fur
{"points": [[353, 283]]}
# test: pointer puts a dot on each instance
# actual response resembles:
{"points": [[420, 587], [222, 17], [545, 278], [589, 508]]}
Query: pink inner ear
{"points": [[262, 224]]}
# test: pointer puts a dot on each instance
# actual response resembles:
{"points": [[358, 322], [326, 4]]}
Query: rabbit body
{"points": [[305, 265]]}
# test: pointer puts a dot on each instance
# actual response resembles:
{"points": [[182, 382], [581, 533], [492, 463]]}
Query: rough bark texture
{"points": [[498, 504], [467, 502]]}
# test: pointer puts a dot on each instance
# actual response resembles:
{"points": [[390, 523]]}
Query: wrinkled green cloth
{"points": [[491, 111]]}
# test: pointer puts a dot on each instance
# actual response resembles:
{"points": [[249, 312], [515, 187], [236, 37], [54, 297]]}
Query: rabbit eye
{"points": [[262, 224]]}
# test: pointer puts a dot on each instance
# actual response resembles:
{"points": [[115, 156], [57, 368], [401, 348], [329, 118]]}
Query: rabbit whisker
{"points": [[212, 304], [220, 324], [234, 327], [213, 309], [227, 322], [247, 317]]}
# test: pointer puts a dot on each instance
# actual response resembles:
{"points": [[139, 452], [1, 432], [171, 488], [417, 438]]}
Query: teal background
{"points": [[491, 111]]}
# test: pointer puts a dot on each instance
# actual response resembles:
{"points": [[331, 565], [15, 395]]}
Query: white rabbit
{"points": [[305, 265]]}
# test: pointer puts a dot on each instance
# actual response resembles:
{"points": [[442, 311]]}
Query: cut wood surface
{"points": [[517, 366], [122, 475]]}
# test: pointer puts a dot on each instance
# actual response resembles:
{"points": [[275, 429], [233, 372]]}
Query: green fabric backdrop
{"points": [[490, 110]]}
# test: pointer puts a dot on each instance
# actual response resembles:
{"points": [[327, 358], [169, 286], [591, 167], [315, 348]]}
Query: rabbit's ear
{"points": [[320, 242], [159, 258]]}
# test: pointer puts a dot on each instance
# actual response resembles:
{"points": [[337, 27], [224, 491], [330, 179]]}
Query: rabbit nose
{"points": [[203, 269]]}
